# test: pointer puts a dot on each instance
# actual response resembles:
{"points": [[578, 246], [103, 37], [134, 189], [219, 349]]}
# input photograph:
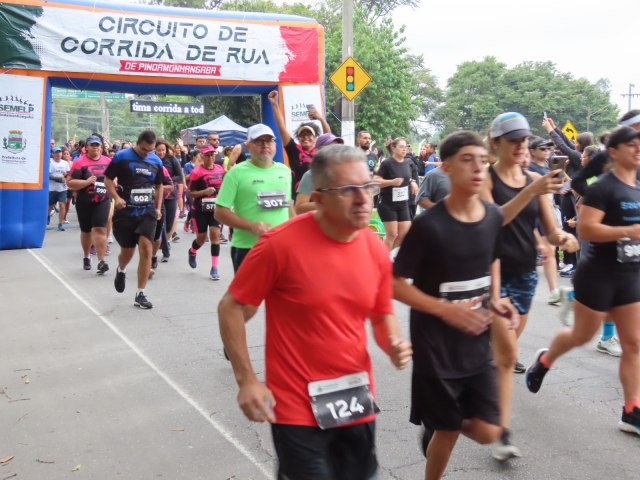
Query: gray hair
{"points": [[329, 156]]}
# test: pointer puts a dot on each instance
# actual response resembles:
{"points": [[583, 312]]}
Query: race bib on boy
{"points": [[340, 401], [141, 197], [272, 199], [628, 250], [474, 291], [400, 194]]}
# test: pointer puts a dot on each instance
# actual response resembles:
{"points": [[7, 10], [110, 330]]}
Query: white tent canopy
{"points": [[230, 132]]}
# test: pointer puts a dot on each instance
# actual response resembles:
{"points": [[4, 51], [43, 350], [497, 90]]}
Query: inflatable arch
{"points": [[138, 49]]}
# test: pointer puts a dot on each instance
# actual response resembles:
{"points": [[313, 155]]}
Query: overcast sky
{"points": [[587, 38]]}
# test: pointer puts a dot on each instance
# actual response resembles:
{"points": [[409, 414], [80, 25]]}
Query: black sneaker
{"points": [[630, 422], [154, 263], [103, 267], [119, 281], [142, 302], [535, 373], [519, 368], [192, 260], [425, 438], [86, 263]]}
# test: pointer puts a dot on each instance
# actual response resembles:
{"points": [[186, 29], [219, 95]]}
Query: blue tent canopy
{"points": [[230, 132]]}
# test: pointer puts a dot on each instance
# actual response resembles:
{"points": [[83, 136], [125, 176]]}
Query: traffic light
{"points": [[351, 86]]}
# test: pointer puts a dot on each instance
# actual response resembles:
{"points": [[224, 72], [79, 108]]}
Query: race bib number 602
{"points": [[340, 401]]}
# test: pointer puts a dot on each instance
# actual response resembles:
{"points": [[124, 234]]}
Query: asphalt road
{"points": [[92, 387]]}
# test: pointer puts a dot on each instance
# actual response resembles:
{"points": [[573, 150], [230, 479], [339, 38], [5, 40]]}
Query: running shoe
{"points": [[152, 272], [566, 308], [154, 263], [213, 274], [165, 258], [103, 267], [610, 346], [182, 214], [66, 222], [630, 422], [142, 302], [554, 297], [60, 227], [120, 281], [223, 239], [568, 274], [425, 438], [93, 250], [110, 239], [535, 373], [192, 260], [503, 449], [565, 267], [86, 263], [519, 368], [175, 237]]}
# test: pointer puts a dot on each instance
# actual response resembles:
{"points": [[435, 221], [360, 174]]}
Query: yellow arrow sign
{"points": [[570, 131], [350, 78]]}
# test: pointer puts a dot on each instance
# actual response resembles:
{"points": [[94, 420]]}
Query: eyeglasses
{"points": [[263, 141], [349, 191], [214, 139]]}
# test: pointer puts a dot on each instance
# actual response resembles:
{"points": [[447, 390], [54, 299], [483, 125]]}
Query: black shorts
{"points": [[602, 288], [127, 229], [442, 404], [394, 213], [309, 453], [204, 221], [237, 257], [92, 215]]}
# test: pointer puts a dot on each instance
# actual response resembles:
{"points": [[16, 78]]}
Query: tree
{"points": [[479, 91]]}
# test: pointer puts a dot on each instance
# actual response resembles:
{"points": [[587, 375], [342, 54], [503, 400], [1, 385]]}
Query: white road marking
{"points": [[219, 428]]}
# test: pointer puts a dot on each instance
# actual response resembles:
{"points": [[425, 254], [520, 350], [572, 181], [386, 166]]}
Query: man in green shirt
{"points": [[255, 195]]}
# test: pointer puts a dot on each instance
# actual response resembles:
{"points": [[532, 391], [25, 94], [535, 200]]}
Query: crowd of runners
{"points": [[493, 210]]}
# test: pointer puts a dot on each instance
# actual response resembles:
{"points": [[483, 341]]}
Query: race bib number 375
{"points": [[340, 401]]}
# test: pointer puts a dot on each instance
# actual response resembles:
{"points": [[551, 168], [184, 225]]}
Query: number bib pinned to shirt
{"points": [[340, 401], [474, 291], [208, 205], [99, 188], [400, 194], [272, 199], [141, 197], [628, 250]]}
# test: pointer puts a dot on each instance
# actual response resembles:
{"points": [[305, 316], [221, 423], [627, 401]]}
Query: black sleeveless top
{"points": [[518, 246]]}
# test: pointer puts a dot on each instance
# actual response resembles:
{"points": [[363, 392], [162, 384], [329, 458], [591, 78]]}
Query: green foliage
{"points": [[479, 91]]}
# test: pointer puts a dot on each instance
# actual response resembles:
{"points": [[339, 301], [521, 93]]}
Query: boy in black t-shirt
{"points": [[454, 298]]}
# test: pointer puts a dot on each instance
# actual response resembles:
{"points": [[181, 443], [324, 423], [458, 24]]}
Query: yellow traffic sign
{"points": [[350, 78], [570, 131]]}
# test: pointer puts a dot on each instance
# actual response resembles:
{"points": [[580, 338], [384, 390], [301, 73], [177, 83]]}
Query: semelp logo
{"points": [[14, 106], [15, 143]]}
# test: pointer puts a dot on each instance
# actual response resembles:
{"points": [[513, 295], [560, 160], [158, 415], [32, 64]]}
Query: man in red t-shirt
{"points": [[322, 275]]}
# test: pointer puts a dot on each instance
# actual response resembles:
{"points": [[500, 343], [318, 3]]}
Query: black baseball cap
{"points": [[622, 135]]}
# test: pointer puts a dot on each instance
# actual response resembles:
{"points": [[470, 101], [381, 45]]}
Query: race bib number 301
{"points": [[340, 401]]}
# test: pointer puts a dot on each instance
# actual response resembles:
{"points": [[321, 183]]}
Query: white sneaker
{"points": [[566, 268], [503, 449], [110, 239], [610, 346]]}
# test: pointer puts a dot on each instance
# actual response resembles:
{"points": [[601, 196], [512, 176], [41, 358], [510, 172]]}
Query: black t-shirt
{"points": [[372, 161], [390, 169], [299, 162], [437, 251], [621, 206], [172, 164], [518, 252]]}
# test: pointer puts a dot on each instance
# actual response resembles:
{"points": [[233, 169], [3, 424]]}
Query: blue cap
{"points": [[56, 150], [93, 139], [511, 125]]}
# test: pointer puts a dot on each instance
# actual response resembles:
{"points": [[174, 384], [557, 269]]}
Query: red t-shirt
{"points": [[318, 294]]}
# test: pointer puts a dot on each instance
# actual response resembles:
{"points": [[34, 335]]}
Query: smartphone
{"points": [[544, 115], [559, 162]]}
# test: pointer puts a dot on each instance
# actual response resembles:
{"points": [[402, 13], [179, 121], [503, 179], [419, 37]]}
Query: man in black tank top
{"points": [[454, 298]]}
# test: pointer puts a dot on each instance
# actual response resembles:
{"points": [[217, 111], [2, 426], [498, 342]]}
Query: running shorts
{"points": [[92, 215]]}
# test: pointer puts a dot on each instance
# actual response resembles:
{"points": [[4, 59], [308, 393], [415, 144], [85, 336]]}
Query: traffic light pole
{"points": [[348, 110]]}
